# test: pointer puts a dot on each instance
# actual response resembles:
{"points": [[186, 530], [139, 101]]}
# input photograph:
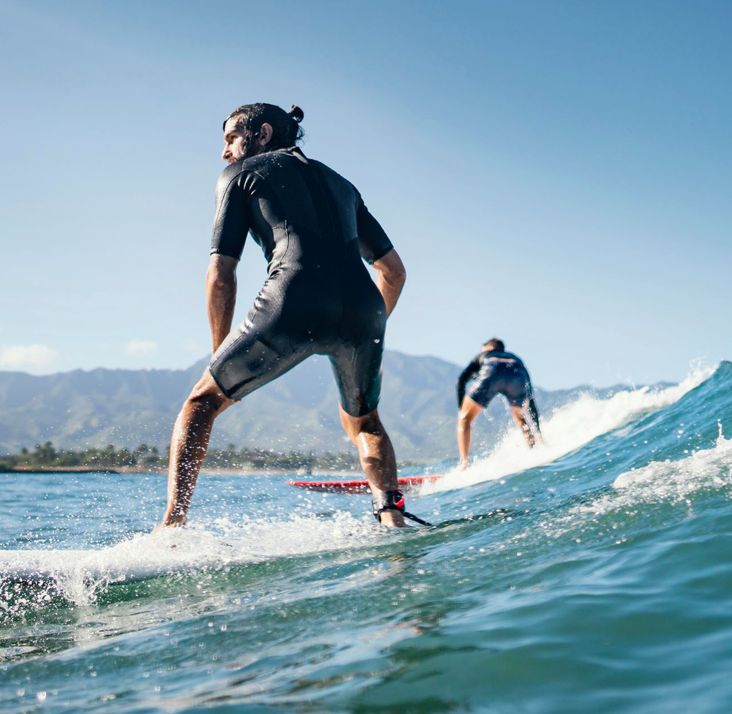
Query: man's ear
{"points": [[265, 134]]}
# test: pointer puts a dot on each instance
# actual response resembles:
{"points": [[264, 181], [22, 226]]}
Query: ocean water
{"points": [[593, 574]]}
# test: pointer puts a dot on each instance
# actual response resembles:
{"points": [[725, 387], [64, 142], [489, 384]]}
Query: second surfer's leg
{"points": [[376, 454], [469, 410], [189, 444], [519, 416], [534, 414]]}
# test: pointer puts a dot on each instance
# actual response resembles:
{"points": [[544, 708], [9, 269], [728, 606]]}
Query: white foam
{"points": [[565, 430], [79, 575], [664, 481], [661, 480]]}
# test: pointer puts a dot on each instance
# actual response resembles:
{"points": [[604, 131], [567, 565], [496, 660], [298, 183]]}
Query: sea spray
{"points": [[567, 428], [596, 581]]}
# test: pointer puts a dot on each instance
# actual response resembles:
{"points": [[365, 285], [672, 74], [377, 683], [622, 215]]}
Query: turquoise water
{"points": [[590, 575]]}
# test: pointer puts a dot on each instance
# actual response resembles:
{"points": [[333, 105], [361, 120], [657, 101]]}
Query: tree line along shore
{"points": [[144, 458]]}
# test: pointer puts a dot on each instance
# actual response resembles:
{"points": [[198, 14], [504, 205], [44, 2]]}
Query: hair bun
{"points": [[296, 113]]}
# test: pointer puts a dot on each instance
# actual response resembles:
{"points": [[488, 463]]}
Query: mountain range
{"points": [[82, 409]]}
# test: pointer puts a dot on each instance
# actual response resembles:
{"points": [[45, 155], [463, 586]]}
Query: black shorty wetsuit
{"points": [[497, 373], [319, 298]]}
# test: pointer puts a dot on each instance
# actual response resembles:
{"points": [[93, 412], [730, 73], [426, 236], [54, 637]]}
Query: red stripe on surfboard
{"points": [[361, 485]]}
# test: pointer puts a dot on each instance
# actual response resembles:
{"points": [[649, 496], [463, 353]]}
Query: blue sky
{"points": [[554, 173]]}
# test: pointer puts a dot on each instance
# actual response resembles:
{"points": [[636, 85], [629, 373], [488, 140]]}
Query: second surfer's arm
{"points": [[390, 278], [220, 296], [465, 376]]}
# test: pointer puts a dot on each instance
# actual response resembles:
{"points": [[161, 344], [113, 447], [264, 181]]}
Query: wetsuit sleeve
{"points": [[372, 239], [464, 377], [231, 224]]}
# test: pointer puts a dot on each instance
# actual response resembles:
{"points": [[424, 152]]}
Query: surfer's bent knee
{"points": [[211, 403], [466, 417], [367, 424], [207, 394]]}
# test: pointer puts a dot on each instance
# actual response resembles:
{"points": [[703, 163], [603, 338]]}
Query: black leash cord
{"points": [[416, 519]]}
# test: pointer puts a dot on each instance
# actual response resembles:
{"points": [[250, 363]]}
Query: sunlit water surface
{"points": [[592, 574]]}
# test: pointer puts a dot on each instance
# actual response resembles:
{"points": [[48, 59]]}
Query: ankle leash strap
{"points": [[393, 500]]}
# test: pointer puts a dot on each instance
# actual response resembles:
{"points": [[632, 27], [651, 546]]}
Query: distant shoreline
{"points": [[163, 471], [57, 469]]}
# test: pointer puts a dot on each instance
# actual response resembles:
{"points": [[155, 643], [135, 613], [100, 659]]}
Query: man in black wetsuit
{"points": [[495, 371], [318, 298]]}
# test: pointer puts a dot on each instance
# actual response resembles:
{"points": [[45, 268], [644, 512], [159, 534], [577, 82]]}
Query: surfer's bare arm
{"points": [[220, 296], [390, 278]]}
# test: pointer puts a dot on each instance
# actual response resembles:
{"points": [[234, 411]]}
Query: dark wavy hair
{"points": [[495, 344], [286, 129]]}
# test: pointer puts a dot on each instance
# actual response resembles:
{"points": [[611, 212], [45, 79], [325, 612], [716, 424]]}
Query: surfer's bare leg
{"points": [[376, 454], [189, 444], [524, 423], [469, 410]]}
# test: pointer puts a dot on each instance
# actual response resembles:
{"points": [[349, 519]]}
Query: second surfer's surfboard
{"points": [[406, 483]]}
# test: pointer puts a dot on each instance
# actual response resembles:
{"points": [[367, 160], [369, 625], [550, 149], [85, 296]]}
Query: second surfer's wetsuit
{"points": [[498, 373], [318, 298]]}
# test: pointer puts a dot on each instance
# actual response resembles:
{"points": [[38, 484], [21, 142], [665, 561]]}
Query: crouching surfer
{"points": [[315, 232], [495, 371]]}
